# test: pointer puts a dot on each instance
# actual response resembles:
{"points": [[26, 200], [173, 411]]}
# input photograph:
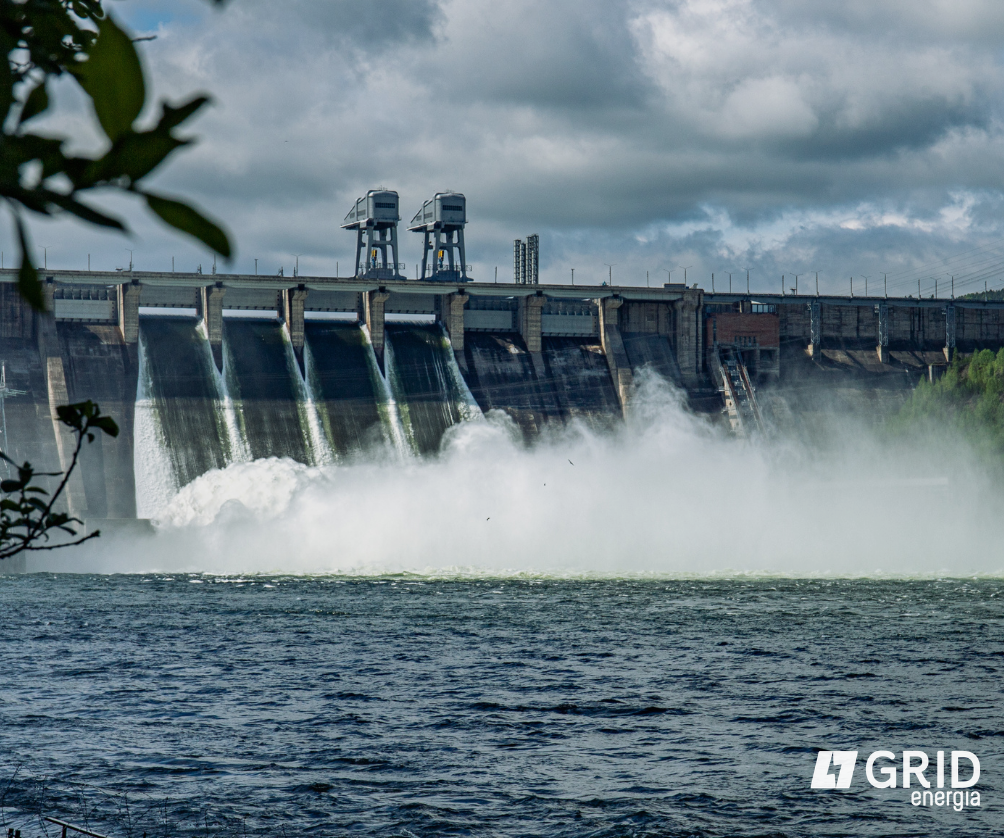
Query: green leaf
{"points": [[36, 103], [85, 212], [138, 154], [172, 117], [113, 77], [71, 415], [188, 220], [107, 425], [28, 284]]}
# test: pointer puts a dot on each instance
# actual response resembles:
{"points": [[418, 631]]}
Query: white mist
{"points": [[666, 495]]}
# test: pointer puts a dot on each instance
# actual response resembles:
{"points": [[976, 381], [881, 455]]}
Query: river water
{"points": [[171, 704]]}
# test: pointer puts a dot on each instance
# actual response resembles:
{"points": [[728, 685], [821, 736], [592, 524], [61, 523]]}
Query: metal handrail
{"points": [[727, 382], [751, 395], [79, 829]]}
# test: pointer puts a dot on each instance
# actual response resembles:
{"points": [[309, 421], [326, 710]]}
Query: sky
{"points": [[636, 137]]}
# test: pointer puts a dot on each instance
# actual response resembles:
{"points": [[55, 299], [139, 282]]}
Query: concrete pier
{"points": [[452, 315], [530, 308], [127, 302], [210, 309], [613, 349], [882, 336], [292, 304], [373, 305], [689, 327]]}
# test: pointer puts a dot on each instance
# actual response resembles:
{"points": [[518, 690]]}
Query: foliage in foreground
{"points": [[968, 399], [78, 39], [28, 520]]}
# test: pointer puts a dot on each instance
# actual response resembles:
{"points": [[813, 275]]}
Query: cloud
{"points": [[625, 131]]}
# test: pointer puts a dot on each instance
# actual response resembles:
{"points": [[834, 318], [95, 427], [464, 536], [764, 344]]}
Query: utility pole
{"points": [[130, 257], [747, 282], [852, 286], [796, 285], [496, 274], [817, 283], [88, 261], [730, 282], [712, 283], [647, 283], [573, 276], [782, 285], [172, 265], [45, 257], [953, 286], [256, 268], [885, 285], [866, 278]]}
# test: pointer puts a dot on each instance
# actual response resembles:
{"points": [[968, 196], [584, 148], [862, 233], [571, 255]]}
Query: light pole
{"points": [[45, 256], [611, 275], [573, 276], [866, 278], [669, 276], [130, 257], [684, 273], [796, 284]]}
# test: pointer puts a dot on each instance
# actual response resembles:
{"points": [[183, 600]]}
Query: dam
{"points": [[201, 371]]}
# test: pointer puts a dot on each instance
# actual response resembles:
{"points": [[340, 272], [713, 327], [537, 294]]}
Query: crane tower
{"points": [[374, 218], [441, 221]]}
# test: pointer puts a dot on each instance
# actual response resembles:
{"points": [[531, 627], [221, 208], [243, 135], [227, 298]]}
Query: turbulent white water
{"points": [[386, 402], [155, 481], [666, 494], [306, 403]]}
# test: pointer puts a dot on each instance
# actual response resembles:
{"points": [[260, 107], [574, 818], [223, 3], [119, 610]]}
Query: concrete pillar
{"points": [[949, 332], [613, 349], [529, 321], [373, 317], [815, 330], [211, 309], [451, 309], [58, 394], [293, 301], [688, 336], [127, 296], [882, 338]]}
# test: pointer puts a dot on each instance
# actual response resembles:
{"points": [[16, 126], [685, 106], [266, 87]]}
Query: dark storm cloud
{"points": [[359, 26], [641, 132]]}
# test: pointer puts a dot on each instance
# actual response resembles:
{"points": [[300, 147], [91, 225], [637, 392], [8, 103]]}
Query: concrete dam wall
{"points": [[194, 390], [204, 371]]}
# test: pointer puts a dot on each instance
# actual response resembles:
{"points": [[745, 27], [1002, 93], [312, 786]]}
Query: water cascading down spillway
{"points": [[192, 418], [427, 384]]}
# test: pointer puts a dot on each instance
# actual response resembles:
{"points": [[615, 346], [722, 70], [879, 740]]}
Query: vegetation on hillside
{"points": [[968, 398]]}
